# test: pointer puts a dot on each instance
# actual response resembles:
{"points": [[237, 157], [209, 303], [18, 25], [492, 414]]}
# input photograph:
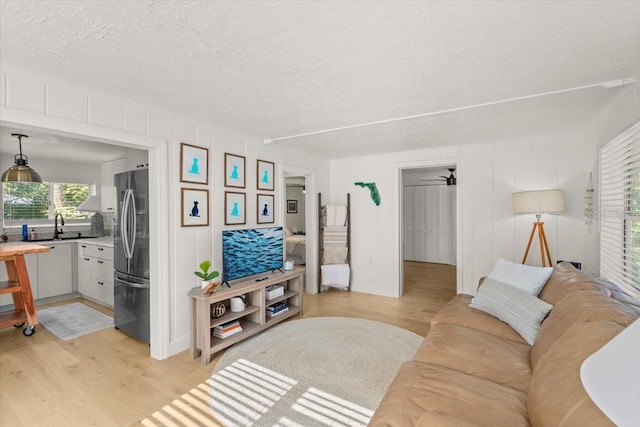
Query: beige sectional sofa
{"points": [[475, 370]]}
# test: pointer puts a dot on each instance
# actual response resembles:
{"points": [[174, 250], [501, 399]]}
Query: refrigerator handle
{"points": [[133, 285], [124, 223], [134, 214]]}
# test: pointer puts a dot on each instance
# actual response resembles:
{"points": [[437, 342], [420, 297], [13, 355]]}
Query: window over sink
{"points": [[39, 202]]}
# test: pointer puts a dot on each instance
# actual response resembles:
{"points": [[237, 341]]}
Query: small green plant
{"points": [[204, 273]]}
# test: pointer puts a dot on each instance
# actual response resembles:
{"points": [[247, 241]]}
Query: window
{"points": [[34, 201], [620, 210]]}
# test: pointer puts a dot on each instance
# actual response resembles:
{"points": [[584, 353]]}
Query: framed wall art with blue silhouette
{"points": [[234, 208], [194, 164], [265, 175], [194, 207], [264, 209], [234, 170]]}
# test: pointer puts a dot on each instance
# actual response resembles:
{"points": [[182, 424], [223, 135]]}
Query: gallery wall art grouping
{"points": [[194, 169]]}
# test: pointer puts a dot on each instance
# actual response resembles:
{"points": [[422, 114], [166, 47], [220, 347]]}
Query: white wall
{"points": [[487, 175], [28, 98], [296, 219]]}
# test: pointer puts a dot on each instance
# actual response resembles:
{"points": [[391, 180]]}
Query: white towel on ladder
{"points": [[336, 215], [336, 275]]}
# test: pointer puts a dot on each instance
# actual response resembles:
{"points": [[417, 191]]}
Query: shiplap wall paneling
{"points": [[482, 210], [504, 166]]}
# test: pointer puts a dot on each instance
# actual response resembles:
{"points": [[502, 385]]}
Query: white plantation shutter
{"points": [[619, 212]]}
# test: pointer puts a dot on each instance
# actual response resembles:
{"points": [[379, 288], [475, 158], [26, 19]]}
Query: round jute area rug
{"points": [[324, 371]]}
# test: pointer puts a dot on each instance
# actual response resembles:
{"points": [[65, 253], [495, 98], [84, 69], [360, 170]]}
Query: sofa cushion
{"points": [[580, 306], [524, 277], [567, 279], [427, 395], [472, 352], [520, 310], [458, 312], [557, 396]]}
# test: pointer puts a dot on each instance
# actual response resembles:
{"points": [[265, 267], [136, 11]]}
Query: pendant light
{"points": [[21, 171]]}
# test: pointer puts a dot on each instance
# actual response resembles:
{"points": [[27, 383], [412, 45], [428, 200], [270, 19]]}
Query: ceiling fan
{"points": [[450, 180]]}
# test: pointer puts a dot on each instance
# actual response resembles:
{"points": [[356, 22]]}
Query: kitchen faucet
{"points": [[55, 226]]}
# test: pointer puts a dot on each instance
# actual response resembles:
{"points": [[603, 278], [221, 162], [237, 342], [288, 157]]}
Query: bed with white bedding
{"points": [[296, 246]]}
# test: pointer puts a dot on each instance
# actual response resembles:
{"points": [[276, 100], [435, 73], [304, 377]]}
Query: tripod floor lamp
{"points": [[538, 202]]}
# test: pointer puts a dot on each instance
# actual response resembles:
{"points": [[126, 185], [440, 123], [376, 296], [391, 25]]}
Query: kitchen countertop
{"points": [[100, 241]]}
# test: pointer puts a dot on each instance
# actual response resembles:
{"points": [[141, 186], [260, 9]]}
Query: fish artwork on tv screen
{"points": [[251, 251]]}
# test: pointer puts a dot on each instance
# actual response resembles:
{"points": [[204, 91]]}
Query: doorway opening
{"points": [[428, 222], [299, 221]]}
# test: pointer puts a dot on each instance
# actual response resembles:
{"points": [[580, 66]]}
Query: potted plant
{"points": [[207, 277]]}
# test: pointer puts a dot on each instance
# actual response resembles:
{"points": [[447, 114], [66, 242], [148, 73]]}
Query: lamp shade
{"points": [[21, 173], [91, 204], [611, 377], [538, 202]]}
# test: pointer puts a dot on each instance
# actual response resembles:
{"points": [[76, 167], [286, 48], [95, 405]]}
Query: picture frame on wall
{"points": [[194, 204], [234, 170], [234, 208], [264, 209], [194, 164], [265, 175], [292, 206]]}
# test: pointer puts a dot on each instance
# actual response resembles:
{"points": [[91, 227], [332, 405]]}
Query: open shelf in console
{"points": [[253, 318]]}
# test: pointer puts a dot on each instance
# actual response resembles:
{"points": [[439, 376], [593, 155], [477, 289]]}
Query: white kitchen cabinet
{"points": [[55, 271], [107, 190], [95, 273], [32, 267]]}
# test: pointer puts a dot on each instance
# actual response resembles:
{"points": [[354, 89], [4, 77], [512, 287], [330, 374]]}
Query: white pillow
{"points": [[518, 309], [287, 232], [524, 277]]}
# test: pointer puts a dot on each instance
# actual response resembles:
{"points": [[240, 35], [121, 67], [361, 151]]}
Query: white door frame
{"points": [[158, 200], [426, 164], [310, 219]]}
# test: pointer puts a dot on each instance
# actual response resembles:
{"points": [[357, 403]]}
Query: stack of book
{"points": [[227, 329], [277, 308]]}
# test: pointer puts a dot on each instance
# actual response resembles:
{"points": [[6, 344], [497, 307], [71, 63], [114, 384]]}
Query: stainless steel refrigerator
{"points": [[131, 254]]}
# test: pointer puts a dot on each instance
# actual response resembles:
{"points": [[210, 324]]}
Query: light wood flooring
{"points": [[108, 379]]}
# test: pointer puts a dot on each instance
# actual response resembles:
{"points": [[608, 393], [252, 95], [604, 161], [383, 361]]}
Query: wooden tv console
{"points": [[253, 318]]}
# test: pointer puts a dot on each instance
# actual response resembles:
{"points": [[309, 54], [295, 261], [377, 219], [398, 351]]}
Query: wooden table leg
{"points": [[203, 330], [195, 337], [18, 272]]}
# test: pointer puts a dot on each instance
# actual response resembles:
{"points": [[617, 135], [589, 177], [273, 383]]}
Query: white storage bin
{"points": [[274, 291]]}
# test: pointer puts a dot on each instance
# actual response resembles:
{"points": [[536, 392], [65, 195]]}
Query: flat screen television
{"points": [[251, 251]]}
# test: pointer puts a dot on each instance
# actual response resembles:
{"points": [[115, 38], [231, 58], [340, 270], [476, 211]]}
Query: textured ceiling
{"points": [[276, 69]]}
